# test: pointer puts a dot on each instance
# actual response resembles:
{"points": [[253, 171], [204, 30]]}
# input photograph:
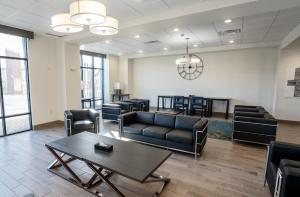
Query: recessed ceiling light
{"points": [[175, 29], [140, 51], [231, 41], [107, 41], [137, 36], [120, 54], [228, 21], [195, 45], [165, 48]]}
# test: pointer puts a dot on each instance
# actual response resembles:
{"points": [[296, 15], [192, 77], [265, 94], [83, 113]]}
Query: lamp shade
{"points": [[62, 23], [87, 12], [192, 59], [117, 86], [109, 27]]}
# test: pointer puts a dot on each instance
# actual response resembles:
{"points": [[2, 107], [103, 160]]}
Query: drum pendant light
{"points": [[86, 12], [62, 23], [109, 27]]}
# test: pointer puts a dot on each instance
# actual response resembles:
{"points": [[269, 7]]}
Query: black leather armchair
{"points": [[253, 124], [77, 121], [283, 169]]}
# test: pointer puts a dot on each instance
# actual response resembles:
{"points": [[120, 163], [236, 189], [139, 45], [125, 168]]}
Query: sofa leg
{"points": [[196, 155]]}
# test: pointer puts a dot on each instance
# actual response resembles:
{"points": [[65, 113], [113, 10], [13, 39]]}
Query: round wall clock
{"points": [[192, 69]]}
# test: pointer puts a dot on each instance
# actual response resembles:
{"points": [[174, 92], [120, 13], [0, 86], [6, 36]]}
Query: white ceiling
{"points": [[200, 20]]}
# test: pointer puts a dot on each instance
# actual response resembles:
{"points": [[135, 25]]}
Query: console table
{"points": [[210, 105], [120, 97]]}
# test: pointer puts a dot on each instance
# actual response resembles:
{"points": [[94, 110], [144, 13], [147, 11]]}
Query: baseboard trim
{"points": [[48, 125], [289, 122]]}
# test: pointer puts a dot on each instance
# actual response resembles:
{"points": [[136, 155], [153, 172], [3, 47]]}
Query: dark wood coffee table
{"points": [[129, 159]]}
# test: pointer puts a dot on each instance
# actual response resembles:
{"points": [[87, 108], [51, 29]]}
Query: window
{"points": [[15, 111], [92, 80]]}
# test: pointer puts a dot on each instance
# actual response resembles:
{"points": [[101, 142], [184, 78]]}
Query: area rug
{"points": [[219, 129]]}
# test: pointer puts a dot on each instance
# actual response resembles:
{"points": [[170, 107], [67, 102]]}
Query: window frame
{"points": [[3, 117], [93, 68]]}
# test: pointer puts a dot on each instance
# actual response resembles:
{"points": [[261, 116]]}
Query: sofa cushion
{"points": [[156, 132], [135, 128], [180, 136], [83, 124], [144, 117], [186, 122], [164, 120]]}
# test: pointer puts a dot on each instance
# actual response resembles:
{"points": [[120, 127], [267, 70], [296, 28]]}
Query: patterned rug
{"points": [[219, 129]]}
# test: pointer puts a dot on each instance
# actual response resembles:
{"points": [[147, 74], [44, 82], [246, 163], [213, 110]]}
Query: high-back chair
{"points": [[77, 121], [197, 103], [180, 103]]}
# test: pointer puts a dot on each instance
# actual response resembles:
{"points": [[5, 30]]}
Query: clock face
{"points": [[191, 71]]}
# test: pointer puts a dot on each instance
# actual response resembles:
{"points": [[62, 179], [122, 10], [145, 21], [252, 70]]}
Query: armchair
{"points": [[112, 111], [283, 169], [253, 124], [77, 121]]}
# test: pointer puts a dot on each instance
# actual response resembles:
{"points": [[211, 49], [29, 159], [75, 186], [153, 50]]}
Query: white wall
{"points": [[43, 79], [114, 68], [72, 76], [287, 108], [247, 76], [54, 72]]}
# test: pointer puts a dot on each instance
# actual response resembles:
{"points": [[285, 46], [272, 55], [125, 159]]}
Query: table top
{"points": [[129, 159], [219, 98], [212, 98], [120, 94]]}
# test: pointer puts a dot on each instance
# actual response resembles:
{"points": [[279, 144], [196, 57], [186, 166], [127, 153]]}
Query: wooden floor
{"points": [[225, 168]]}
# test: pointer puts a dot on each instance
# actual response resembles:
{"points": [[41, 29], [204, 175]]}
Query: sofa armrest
{"points": [[127, 118], [200, 130], [93, 115], [288, 180], [68, 114], [200, 125], [282, 150], [290, 163], [68, 122]]}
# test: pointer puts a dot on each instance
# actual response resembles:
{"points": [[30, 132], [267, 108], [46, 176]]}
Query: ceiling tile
{"points": [[181, 3], [7, 11], [235, 24], [206, 33]]}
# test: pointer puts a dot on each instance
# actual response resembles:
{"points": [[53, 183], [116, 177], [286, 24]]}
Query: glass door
{"points": [[92, 82], [15, 108]]}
